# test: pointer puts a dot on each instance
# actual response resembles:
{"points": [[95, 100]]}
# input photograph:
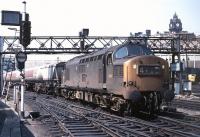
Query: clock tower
{"points": [[175, 25]]}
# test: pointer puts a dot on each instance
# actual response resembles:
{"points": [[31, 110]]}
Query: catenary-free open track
{"points": [[76, 120]]}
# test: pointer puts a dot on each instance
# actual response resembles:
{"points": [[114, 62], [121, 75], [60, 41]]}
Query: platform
{"points": [[9, 120], [12, 125]]}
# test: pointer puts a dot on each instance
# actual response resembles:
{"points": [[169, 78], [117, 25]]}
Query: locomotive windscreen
{"points": [[138, 50], [132, 49]]}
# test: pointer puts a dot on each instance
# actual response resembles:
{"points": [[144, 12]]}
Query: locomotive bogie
{"points": [[89, 97], [79, 95]]}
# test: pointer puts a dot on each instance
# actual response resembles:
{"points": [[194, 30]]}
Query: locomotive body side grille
{"points": [[118, 71]]}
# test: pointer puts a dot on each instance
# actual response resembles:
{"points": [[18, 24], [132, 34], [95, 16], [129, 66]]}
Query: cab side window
{"points": [[109, 59]]}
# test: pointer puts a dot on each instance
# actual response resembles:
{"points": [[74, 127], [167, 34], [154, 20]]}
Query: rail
{"points": [[127, 126]]}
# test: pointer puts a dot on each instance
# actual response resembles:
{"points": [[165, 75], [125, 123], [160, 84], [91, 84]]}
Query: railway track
{"points": [[195, 90], [171, 126], [182, 117], [45, 118], [190, 129], [187, 104], [74, 124], [70, 116]]}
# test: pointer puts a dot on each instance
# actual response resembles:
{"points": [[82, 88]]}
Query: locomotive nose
{"points": [[144, 74]]}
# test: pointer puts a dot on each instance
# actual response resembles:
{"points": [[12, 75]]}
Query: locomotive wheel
{"points": [[152, 104], [149, 105], [56, 92], [159, 101], [132, 108], [118, 105], [39, 91], [64, 93], [155, 103], [71, 95], [135, 109]]}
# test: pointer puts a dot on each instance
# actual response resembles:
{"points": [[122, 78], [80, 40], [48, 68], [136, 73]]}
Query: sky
{"points": [[104, 17]]}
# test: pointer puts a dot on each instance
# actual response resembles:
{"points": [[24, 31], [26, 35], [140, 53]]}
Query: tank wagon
{"points": [[41, 79], [125, 77]]}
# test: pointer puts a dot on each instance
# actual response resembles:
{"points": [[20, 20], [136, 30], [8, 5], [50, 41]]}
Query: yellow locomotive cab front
{"points": [[144, 74]]}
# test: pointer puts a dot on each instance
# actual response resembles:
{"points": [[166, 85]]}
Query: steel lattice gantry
{"points": [[76, 45]]}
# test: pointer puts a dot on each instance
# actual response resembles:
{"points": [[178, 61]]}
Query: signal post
{"points": [[15, 18], [21, 58]]}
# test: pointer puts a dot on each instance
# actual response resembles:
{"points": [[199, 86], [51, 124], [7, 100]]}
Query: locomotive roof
{"points": [[100, 52], [96, 53]]}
